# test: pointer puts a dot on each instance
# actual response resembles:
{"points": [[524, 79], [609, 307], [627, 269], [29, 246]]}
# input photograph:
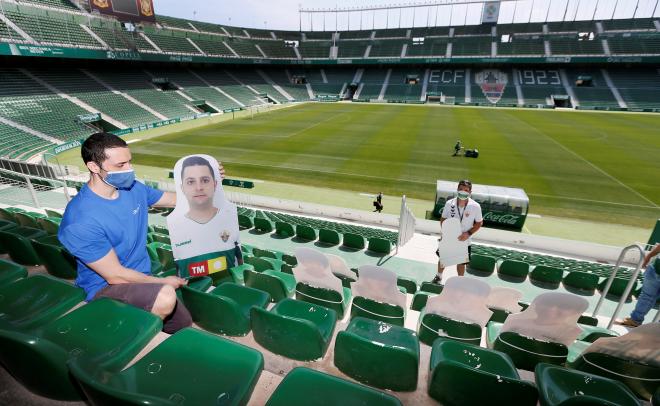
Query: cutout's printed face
{"points": [[198, 185]]}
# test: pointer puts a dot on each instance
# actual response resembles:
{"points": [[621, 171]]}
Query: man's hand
{"points": [[174, 281], [655, 251], [463, 236]]}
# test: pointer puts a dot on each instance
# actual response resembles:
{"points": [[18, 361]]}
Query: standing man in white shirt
{"points": [[468, 212]]}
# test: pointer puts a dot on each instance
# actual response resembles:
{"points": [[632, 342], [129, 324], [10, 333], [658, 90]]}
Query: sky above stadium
{"points": [[283, 14]]}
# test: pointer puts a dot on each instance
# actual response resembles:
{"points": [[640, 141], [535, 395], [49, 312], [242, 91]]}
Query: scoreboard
{"points": [[126, 10]]}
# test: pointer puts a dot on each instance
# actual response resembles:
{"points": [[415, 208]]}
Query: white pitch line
{"points": [[132, 141], [565, 148], [593, 201]]}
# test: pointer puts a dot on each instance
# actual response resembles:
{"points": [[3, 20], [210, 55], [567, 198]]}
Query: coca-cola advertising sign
{"points": [[502, 218]]}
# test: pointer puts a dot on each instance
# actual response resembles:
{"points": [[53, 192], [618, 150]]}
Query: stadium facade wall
{"points": [[81, 53]]}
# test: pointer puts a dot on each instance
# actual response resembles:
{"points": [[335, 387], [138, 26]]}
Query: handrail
{"points": [[631, 283]]}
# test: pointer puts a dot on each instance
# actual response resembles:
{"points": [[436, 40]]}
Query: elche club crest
{"points": [[225, 236], [492, 83]]}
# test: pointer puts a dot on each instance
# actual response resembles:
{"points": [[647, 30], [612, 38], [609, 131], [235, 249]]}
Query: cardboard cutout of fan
{"points": [[204, 225], [450, 250]]}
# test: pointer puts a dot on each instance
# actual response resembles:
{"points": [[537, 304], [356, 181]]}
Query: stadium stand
{"points": [[277, 49], [399, 88], [385, 48], [521, 45], [53, 29], [639, 88]]}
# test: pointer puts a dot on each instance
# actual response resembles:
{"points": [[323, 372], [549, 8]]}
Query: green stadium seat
{"points": [[279, 285], [482, 263], [245, 222], [354, 241], [431, 326], [57, 260], [289, 259], [419, 300], [192, 366], [329, 237], [11, 272], [161, 230], [29, 303], [257, 252], [259, 264], [284, 229], [378, 354], [380, 245], [561, 386], [49, 225], [547, 274], [294, 329], [431, 287], [618, 287], [162, 238], [53, 214], [7, 225], [108, 332], [526, 352], [337, 301], [581, 280], [226, 309], [307, 387], [592, 333], [409, 284], [27, 219], [630, 359], [17, 243], [238, 273], [372, 309], [516, 269], [464, 374], [305, 232], [263, 225]]}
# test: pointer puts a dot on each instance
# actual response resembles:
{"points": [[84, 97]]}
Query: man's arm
{"points": [[655, 251], [464, 236], [167, 200], [115, 273]]}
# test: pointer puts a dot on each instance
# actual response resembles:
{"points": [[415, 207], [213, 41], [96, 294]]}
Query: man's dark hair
{"points": [[93, 149], [194, 161], [465, 182]]}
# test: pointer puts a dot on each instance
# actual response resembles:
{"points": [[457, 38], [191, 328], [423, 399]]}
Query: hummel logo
{"points": [[137, 210]]}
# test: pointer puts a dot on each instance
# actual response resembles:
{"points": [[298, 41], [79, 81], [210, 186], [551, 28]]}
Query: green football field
{"points": [[583, 165]]}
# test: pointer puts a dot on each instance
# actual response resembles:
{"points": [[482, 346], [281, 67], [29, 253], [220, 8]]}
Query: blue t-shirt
{"points": [[92, 225]]}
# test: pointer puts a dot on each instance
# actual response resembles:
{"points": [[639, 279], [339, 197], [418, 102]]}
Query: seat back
{"points": [[483, 263], [268, 283], [263, 225], [355, 241], [375, 310], [17, 243], [11, 272], [380, 285], [244, 222], [305, 232], [631, 358], [516, 269], [57, 260], [287, 335], [302, 384], [32, 302], [462, 299], [216, 313], [25, 220], [329, 236], [527, 352], [548, 274], [284, 229], [551, 317], [581, 280], [49, 225], [431, 326]]}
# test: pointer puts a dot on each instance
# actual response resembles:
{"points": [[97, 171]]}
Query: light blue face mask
{"points": [[120, 179]]}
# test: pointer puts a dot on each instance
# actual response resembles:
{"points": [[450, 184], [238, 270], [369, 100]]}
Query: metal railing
{"points": [[629, 286], [34, 191]]}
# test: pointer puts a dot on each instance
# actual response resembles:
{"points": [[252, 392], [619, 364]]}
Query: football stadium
{"points": [[439, 203]]}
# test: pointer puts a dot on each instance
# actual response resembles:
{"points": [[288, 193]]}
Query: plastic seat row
{"points": [[41, 346], [549, 275]]}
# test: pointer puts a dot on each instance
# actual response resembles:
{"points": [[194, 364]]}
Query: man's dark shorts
{"points": [[143, 296]]}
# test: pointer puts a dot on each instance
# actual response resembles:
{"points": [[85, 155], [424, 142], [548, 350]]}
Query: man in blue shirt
{"points": [[105, 228]]}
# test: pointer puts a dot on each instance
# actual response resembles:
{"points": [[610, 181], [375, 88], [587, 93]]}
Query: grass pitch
{"points": [[586, 165]]}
